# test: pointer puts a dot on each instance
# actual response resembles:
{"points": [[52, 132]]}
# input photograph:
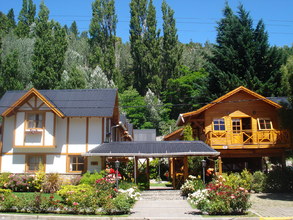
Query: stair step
{"points": [[161, 195]]}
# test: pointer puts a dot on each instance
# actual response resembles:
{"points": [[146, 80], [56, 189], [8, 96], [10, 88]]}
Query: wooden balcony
{"points": [[248, 139]]}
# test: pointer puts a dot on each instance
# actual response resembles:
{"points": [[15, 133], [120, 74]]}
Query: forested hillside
{"points": [[157, 76]]}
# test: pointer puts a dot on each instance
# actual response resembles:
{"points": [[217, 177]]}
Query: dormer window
{"points": [[34, 121]]}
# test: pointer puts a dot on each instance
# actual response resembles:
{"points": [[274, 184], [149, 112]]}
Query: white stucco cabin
{"points": [[55, 127]]}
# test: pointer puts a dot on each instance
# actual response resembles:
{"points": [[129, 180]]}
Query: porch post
{"points": [[220, 165], [172, 172], [148, 172], [135, 169], [185, 174]]}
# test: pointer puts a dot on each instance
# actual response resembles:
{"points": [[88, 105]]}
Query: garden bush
{"points": [[51, 183], [279, 180], [21, 183], [191, 185], [4, 179], [258, 183], [236, 180], [91, 178], [219, 198]]}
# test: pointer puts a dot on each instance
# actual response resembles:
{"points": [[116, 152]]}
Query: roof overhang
{"points": [[182, 117], [153, 149], [25, 97]]}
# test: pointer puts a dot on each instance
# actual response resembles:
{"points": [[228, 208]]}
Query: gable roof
{"points": [[178, 131], [153, 149], [181, 117], [66, 103]]}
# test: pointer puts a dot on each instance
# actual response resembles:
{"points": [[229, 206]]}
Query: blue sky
{"points": [[196, 20]]}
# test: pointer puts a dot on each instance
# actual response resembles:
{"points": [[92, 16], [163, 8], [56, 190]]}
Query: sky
{"points": [[196, 20]]}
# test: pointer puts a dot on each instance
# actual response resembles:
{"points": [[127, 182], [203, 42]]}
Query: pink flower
{"points": [[241, 188], [75, 203], [232, 196]]}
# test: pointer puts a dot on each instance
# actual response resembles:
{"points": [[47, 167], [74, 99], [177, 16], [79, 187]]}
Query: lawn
{"points": [[32, 194]]}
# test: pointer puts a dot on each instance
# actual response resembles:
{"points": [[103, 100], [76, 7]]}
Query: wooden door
{"points": [[237, 137]]}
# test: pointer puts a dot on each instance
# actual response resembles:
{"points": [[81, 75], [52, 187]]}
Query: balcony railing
{"points": [[248, 137]]}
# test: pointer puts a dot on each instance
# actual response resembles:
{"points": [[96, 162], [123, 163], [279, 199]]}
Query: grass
{"points": [[32, 194]]}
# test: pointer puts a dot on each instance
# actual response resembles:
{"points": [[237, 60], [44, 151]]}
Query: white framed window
{"points": [[264, 124], [219, 124]]}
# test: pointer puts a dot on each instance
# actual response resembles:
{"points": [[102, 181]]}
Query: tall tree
{"points": [[11, 19], [26, 18], [145, 48], [10, 74], [49, 52], [171, 49], [74, 30], [103, 37], [242, 56]]}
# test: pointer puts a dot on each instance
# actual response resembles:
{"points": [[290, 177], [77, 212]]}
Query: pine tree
{"points": [[171, 49], [73, 29], [103, 37], [10, 74], [242, 56], [26, 18], [49, 52], [11, 19]]}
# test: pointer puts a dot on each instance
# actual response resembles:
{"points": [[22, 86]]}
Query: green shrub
{"points": [[259, 180], [236, 180], [91, 178], [39, 178], [279, 180], [21, 183], [122, 203], [191, 185], [4, 179], [126, 185]]}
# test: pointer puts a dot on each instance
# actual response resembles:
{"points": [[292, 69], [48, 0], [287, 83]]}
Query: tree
{"points": [[134, 106], [242, 56], [103, 37], [187, 92], [171, 49], [73, 29], [26, 18], [188, 133], [49, 52], [10, 74], [145, 46], [11, 19]]}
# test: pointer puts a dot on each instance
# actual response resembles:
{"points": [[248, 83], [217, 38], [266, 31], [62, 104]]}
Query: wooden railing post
{"points": [[220, 165]]}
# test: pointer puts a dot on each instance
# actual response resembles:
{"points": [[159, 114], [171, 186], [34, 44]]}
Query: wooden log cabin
{"points": [[242, 125]]}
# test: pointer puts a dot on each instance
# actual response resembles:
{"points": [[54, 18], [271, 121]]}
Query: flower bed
{"points": [[219, 198], [99, 198]]}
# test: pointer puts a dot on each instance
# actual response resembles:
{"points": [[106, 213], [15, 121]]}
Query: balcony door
{"points": [[241, 130]]}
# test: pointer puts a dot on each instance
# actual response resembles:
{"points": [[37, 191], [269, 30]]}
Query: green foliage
{"points": [[21, 183], [236, 180], [39, 178], [258, 183], [91, 178], [171, 49], [102, 37], [279, 180], [243, 56], [4, 179], [191, 185], [122, 203], [74, 30], [188, 133], [154, 167], [49, 52], [195, 165], [186, 92]]}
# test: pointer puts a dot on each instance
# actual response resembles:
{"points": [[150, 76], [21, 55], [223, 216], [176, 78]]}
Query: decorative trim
{"points": [[35, 146], [32, 91]]}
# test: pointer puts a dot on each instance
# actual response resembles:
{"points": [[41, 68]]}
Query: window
{"points": [[264, 124], [34, 162], [219, 124], [236, 125], [76, 163], [34, 120]]}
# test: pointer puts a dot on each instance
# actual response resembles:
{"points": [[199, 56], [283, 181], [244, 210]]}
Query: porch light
{"points": [[204, 164], [117, 164]]}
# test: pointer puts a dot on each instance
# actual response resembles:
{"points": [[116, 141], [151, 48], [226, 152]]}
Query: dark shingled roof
{"points": [[74, 102], [153, 148]]}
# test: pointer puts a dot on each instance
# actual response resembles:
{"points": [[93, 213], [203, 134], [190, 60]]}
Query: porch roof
{"points": [[153, 149]]}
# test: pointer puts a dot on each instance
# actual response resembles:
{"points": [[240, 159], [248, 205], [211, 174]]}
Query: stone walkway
{"points": [[272, 204]]}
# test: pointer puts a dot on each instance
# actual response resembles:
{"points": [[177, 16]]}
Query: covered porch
{"points": [[177, 153]]}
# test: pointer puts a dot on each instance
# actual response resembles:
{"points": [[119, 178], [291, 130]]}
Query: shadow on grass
{"points": [[277, 196]]}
